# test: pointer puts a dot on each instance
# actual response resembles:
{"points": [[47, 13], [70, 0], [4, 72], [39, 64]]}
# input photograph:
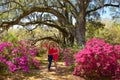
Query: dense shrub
{"points": [[18, 56], [111, 34], [68, 56], [98, 59]]}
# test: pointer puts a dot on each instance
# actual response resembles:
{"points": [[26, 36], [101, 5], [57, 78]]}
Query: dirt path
{"points": [[63, 73], [42, 74]]}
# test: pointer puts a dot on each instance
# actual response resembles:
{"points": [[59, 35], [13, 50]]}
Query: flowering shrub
{"points": [[68, 56], [20, 56], [98, 59]]}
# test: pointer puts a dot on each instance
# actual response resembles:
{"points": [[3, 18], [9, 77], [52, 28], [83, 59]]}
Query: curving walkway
{"points": [[42, 74]]}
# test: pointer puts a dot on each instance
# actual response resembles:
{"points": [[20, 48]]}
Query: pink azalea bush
{"points": [[99, 59], [19, 56], [68, 57]]}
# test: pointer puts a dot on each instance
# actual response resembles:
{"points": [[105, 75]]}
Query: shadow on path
{"points": [[63, 73]]}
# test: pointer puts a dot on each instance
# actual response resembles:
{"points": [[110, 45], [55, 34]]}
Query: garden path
{"points": [[42, 74]]}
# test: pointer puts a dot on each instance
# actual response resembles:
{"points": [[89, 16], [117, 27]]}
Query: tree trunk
{"points": [[80, 26], [80, 32]]}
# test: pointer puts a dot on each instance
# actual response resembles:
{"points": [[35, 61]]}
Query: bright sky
{"points": [[107, 14]]}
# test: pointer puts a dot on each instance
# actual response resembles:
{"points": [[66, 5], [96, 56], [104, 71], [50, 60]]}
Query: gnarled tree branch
{"points": [[46, 38], [46, 23], [36, 9], [105, 5]]}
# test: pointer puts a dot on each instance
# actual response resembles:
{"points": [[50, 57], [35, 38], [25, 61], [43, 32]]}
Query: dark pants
{"points": [[50, 61]]}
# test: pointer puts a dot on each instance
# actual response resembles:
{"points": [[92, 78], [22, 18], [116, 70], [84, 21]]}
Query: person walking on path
{"points": [[55, 55], [50, 56]]}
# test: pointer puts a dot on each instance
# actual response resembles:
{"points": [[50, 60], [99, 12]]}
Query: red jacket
{"points": [[50, 51]]}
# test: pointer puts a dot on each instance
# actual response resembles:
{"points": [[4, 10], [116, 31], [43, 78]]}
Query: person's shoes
{"points": [[49, 70]]}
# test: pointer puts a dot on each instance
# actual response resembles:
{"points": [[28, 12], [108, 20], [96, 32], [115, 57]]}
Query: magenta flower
{"points": [[68, 57], [18, 56], [99, 57], [11, 66]]}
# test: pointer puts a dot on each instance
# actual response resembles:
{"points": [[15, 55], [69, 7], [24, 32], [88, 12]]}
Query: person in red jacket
{"points": [[55, 55], [50, 55]]}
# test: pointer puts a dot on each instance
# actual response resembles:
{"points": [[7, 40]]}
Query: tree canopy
{"points": [[68, 16]]}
